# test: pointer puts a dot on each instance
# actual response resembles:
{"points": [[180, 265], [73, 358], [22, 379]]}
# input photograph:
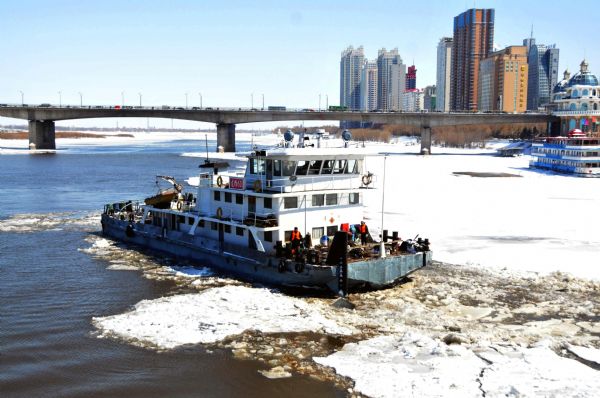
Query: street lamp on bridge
{"points": [[263, 102], [186, 100], [319, 102], [251, 100], [200, 95], [326, 101], [80, 100], [60, 99], [140, 94], [22, 98], [122, 98]]}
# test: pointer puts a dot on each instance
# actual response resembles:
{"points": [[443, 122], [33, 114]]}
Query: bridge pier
{"points": [[226, 136], [42, 134], [425, 140]]}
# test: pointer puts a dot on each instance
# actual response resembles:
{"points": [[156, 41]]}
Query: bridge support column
{"points": [[226, 136], [42, 134], [425, 140]]}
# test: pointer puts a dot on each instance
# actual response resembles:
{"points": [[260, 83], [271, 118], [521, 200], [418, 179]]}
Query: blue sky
{"points": [[287, 50]]}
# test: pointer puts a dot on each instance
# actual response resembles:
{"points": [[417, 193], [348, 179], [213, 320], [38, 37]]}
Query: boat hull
{"points": [[262, 268]]}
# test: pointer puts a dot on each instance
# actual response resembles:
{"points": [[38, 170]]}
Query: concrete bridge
{"points": [[42, 130]]}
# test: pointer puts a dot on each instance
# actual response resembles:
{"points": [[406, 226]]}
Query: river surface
{"points": [[50, 289]]}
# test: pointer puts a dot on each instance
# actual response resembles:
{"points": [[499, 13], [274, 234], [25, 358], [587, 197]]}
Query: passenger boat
{"points": [[575, 154], [242, 222]]}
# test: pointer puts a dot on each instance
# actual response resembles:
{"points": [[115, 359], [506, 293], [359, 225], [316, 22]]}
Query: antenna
{"points": [[531, 36]]}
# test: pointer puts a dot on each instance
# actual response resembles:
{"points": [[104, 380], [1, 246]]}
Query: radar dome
{"points": [[288, 136]]}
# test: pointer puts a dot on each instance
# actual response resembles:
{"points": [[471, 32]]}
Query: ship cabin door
{"points": [[221, 236], [251, 206], [269, 172]]}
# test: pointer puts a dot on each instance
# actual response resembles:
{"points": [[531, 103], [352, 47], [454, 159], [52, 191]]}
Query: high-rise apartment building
{"points": [[411, 78], [502, 82], [444, 56], [430, 98], [351, 65], [368, 86], [543, 73], [412, 100], [391, 77], [473, 40]]}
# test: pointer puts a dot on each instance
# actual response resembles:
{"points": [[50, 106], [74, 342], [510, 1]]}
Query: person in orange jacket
{"points": [[363, 232], [296, 239]]}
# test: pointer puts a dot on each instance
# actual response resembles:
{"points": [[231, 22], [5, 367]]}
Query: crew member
{"points": [[363, 233], [296, 240]]}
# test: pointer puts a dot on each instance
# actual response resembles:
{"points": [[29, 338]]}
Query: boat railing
{"points": [[124, 210]]}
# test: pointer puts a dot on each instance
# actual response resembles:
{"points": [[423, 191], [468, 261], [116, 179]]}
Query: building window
{"points": [[269, 236], [354, 198], [318, 200], [331, 199], [332, 230], [317, 233], [239, 198], [268, 203], [290, 202], [217, 195], [228, 197], [239, 231]]}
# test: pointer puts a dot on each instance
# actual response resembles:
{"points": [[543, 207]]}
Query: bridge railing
{"points": [[244, 109]]}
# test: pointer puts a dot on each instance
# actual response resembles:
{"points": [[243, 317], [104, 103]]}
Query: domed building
{"points": [[576, 101]]}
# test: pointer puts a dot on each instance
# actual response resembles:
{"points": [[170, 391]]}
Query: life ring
{"points": [[179, 205], [281, 266], [257, 186], [219, 181], [219, 213], [299, 267], [367, 179]]}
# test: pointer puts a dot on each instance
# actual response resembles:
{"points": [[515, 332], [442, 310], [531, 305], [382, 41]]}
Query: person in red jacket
{"points": [[296, 239], [363, 233]]}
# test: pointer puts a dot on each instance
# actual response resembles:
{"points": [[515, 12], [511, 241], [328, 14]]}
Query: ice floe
{"points": [[214, 315], [414, 365]]}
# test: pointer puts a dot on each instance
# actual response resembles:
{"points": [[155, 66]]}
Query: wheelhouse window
{"points": [[331, 199], [239, 199], [257, 166], [332, 230], [315, 167], [327, 166], [290, 202], [352, 167], [302, 168], [339, 167], [227, 228], [217, 195], [318, 200], [277, 168], [288, 167], [354, 198]]}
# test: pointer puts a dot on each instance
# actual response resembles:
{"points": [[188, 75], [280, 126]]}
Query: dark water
{"points": [[50, 290]]}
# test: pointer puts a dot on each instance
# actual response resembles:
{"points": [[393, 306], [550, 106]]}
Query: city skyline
{"points": [[230, 55]]}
